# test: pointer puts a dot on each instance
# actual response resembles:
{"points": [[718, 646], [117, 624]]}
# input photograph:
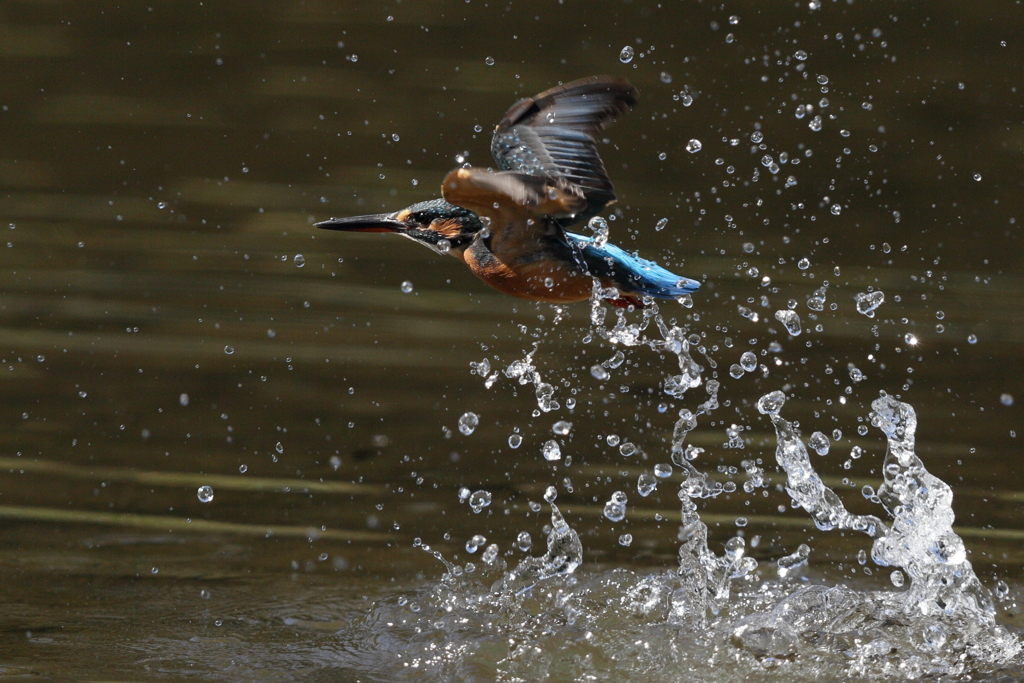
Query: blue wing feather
{"points": [[631, 273]]}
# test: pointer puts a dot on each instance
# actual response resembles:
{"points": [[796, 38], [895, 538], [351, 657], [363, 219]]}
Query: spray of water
{"points": [[714, 617]]}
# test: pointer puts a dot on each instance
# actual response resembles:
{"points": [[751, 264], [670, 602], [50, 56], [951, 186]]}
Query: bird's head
{"points": [[436, 224]]}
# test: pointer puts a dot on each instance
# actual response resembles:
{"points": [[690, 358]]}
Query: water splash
{"points": [[714, 617]]}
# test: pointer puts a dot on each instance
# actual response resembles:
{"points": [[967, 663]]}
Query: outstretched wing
{"points": [[551, 135], [520, 208]]}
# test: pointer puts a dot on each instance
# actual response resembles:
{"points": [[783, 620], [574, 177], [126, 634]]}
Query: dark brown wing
{"points": [[552, 134]]}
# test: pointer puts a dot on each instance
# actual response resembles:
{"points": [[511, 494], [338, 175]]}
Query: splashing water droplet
{"points": [[473, 544], [771, 404], [748, 361], [790, 320], [515, 441], [626, 55], [645, 484], [867, 302], [660, 225], [551, 451], [299, 260], [468, 423], [562, 428], [478, 500], [693, 146], [205, 494], [819, 442], [615, 509]]}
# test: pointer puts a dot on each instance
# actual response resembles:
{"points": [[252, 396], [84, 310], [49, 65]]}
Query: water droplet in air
{"points": [[748, 361], [660, 225], [867, 302], [663, 470], [666, 77], [771, 404], [478, 500], [693, 146], [515, 441], [972, 339], [205, 494], [815, 124], [803, 264], [562, 428], [183, 399], [299, 260], [468, 423], [819, 442], [646, 484], [489, 61], [229, 350], [897, 578], [615, 509], [551, 451], [550, 494], [977, 176], [474, 543], [800, 55], [836, 209], [626, 55], [790, 320], [599, 372], [406, 287], [1006, 399], [626, 539]]}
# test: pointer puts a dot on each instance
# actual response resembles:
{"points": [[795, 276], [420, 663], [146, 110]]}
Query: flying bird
{"points": [[509, 225]]}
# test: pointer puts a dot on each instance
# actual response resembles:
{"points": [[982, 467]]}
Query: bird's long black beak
{"points": [[380, 222]]}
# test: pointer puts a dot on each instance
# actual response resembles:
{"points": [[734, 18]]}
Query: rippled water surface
{"points": [[170, 320]]}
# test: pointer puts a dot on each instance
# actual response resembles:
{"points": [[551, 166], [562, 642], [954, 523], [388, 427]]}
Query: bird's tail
{"points": [[632, 273]]}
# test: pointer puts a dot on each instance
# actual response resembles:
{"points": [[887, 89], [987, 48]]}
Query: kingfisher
{"points": [[509, 225]]}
